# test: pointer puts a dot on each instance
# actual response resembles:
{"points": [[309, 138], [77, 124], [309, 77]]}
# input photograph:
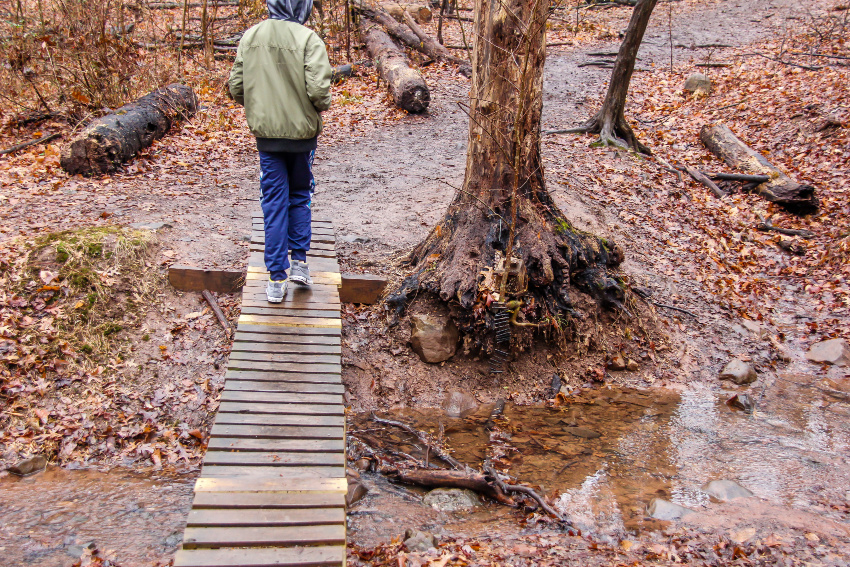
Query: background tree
{"points": [[503, 208], [610, 122]]}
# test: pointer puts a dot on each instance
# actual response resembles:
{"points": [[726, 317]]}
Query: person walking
{"points": [[282, 77]]}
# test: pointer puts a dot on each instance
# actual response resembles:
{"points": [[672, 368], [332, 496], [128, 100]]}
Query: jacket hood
{"points": [[290, 10]]}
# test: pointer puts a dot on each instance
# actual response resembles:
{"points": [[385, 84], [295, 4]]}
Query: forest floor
{"points": [[385, 178]]}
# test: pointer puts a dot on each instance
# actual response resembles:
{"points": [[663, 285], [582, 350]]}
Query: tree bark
{"points": [[109, 141], [503, 209], [406, 84], [419, 12], [780, 189], [610, 122]]}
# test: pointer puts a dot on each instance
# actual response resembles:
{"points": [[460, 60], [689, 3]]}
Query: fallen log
{"points": [[412, 38], [408, 88], [419, 12], [109, 141], [436, 51], [780, 189], [437, 478]]}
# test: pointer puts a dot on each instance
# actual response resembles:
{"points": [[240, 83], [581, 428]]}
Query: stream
{"points": [[603, 455]]}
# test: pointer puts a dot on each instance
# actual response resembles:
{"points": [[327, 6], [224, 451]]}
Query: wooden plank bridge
{"points": [[272, 488]]}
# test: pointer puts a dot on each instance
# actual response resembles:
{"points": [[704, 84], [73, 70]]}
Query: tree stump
{"points": [[109, 141]]}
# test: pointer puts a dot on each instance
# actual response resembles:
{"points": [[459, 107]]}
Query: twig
{"points": [[19, 147], [217, 310], [806, 67], [674, 308], [423, 437]]}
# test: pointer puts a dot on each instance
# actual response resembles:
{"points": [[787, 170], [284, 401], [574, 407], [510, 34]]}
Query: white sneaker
{"points": [[299, 272], [275, 290]]}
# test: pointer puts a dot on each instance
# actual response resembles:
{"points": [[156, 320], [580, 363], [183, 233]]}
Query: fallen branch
{"points": [[217, 310], [698, 176], [765, 225], [436, 478], [713, 65], [806, 67], [424, 439], [434, 50], [20, 147], [528, 491], [738, 177]]}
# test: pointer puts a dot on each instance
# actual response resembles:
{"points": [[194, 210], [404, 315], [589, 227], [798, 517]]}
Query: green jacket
{"points": [[283, 77]]}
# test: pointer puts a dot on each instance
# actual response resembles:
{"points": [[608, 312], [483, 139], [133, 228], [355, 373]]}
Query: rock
{"points": [[726, 490], [363, 464], [150, 225], [433, 338], [356, 491], [415, 540], [834, 351], [664, 510], [742, 402], [555, 386], [739, 372], [754, 328], [451, 499], [631, 365], [28, 466], [743, 535], [459, 404], [582, 432], [618, 362], [697, 83], [76, 551]]}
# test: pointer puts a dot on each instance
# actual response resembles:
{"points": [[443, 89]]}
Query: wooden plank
{"points": [[304, 359], [273, 459], [301, 485], [288, 321], [321, 274], [361, 288], [235, 385], [308, 299], [281, 408], [314, 220], [238, 364], [266, 518], [258, 474], [190, 278], [281, 309], [286, 336], [275, 445], [318, 241], [286, 419], [317, 264], [267, 500], [250, 346], [324, 556], [313, 252], [333, 332], [275, 432], [283, 375], [280, 397], [254, 537]]}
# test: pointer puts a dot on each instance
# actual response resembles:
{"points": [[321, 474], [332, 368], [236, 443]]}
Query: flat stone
{"points": [[416, 540], [459, 404], [739, 372], [451, 499], [433, 338], [664, 510], [697, 83], [150, 225], [834, 351], [582, 432], [754, 328], [356, 491], [618, 362], [631, 365], [726, 490], [742, 402], [28, 466]]}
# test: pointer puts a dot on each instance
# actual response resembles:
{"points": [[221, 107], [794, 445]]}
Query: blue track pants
{"points": [[286, 193]]}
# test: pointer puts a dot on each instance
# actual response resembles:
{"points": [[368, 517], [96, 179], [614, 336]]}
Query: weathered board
{"points": [[272, 487]]}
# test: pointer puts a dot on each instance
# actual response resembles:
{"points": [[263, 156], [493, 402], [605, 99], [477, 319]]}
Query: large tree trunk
{"points": [[406, 84], [503, 209], [610, 122], [109, 141], [779, 188]]}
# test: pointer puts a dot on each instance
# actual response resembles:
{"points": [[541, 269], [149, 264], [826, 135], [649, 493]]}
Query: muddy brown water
{"points": [[49, 517], [792, 451]]}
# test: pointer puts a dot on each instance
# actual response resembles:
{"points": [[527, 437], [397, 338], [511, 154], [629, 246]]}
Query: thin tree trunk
{"points": [[610, 122]]}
